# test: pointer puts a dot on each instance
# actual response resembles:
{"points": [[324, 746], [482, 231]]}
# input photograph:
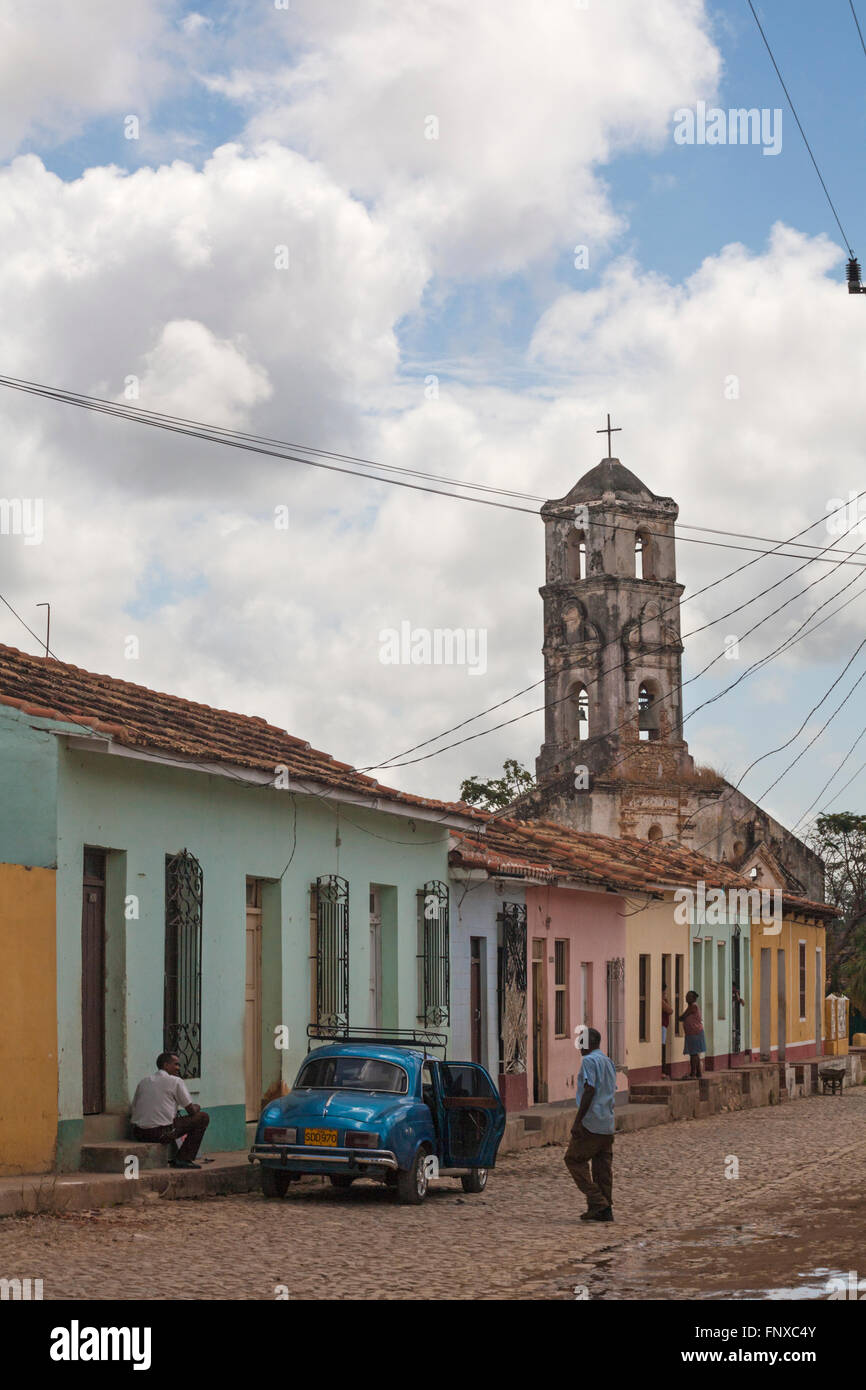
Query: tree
{"points": [[840, 840], [498, 792]]}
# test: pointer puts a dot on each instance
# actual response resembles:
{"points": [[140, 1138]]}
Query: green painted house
{"points": [[188, 878]]}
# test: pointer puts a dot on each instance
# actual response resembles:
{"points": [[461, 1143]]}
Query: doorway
{"points": [[819, 1003], [375, 1018], [93, 983], [781, 1004], [477, 1018], [253, 1001], [539, 1074], [766, 986]]}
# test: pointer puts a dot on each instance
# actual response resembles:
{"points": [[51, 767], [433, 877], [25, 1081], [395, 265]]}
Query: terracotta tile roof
{"points": [[536, 848], [138, 717]]}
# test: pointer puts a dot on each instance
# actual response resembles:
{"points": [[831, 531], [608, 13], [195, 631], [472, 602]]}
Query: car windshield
{"points": [[352, 1074]]}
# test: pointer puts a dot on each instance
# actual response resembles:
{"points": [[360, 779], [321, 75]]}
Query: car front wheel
{"points": [[476, 1181], [412, 1184], [274, 1183]]}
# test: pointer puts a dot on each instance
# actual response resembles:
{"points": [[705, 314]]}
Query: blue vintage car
{"points": [[386, 1110]]}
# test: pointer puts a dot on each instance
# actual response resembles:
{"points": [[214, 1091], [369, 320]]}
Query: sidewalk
{"points": [[59, 1192]]}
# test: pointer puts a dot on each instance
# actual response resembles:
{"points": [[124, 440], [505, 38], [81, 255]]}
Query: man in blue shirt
{"points": [[592, 1132]]}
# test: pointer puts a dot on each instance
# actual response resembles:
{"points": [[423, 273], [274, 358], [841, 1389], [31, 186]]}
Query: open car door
{"points": [[473, 1115]]}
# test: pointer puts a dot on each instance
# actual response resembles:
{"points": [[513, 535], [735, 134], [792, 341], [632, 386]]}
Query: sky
{"points": [[449, 238]]}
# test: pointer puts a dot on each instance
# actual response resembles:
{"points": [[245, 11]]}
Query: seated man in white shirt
{"points": [[154, 1115]]}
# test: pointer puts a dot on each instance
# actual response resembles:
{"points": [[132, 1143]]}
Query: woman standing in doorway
{"points": [[693, 1029]]}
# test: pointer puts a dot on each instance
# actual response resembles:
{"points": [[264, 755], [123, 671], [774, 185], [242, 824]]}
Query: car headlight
{"points": [[273, 1112], [280, 1136], [357, 1139]]}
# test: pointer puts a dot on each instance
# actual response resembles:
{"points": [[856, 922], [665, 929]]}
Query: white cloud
{"points": [[523, 104], [61, 65]]}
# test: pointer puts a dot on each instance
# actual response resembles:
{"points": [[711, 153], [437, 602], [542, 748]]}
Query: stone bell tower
{"points": [[612, 646], [614, 760]]}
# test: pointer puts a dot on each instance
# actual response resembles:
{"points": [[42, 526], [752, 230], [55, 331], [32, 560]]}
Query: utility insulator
{"points": [[853, 274]]}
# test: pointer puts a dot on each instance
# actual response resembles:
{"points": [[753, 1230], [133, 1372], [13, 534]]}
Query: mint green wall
{"points": [[143, 811], [28, 791], [704, 976]]}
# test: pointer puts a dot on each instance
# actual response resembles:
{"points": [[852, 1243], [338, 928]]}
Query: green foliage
{"points": [[497, 792], [840, 839]]}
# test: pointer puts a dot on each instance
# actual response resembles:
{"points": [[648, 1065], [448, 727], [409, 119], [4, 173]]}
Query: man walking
{"points": [[592, 1132], [154, 1112]]}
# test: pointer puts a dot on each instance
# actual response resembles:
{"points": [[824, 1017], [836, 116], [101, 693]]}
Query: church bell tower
{"points": [[612, 646]]}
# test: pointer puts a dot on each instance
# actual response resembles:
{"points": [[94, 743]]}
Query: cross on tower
{"points": [[617, 429]]}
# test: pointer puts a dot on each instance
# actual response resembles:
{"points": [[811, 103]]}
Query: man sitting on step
{"points": [[155, 1118]]}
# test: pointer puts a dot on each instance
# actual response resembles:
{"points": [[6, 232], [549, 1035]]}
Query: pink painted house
{"points": [[576, 946]]}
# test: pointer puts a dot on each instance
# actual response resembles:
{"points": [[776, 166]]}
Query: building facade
{"points": [[178, 877]]}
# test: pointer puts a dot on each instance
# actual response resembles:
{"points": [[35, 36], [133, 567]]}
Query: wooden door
{"points": [[766, 986], [475, 1014], [253, 1001], [539, 1077], [782, 1005], [819, 1004], [93, 983]]}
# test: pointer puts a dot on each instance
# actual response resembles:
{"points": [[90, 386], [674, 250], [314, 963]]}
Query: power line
{"points": [[392, 762], [270, 447], [800, 126], [830, 779], [857, 22]]}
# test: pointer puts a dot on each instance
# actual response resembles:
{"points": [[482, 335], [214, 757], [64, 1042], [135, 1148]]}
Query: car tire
{"points": [[274, 1183], [341, 1180], [476, 1181], [412, 1183]]}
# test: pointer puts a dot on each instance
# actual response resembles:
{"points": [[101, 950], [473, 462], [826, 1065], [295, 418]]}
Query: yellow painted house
{"points": [[28, 1009], [788, 983]]}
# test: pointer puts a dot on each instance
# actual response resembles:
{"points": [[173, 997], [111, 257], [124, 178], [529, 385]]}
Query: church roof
{"points": [[610, 476]]}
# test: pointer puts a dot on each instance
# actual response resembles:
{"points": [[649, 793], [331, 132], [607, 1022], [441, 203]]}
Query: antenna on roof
{"points": [[48, 627]]}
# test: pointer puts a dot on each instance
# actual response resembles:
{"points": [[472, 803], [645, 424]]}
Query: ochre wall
{"points": [[801, 1040], [28, 1009]]}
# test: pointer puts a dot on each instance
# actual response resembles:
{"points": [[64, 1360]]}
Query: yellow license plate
{"points": [[323, 1138]]}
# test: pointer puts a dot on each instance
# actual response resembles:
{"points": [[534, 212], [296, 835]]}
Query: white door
{"points": [[253, 1002], [375, 959]]}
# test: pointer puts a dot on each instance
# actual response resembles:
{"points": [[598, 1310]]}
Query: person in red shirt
{"points": [[693, 1029]]}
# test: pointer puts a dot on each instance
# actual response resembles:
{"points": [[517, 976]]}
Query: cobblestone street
{"points": [[683, 1229]]}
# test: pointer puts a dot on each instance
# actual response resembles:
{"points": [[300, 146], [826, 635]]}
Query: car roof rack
{"points": [[420, 1038]]}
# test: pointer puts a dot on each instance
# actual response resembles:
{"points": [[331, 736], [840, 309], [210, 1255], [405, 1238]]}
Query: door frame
{"points": [[93, 1005], [253, 1084], [539, 1021]]}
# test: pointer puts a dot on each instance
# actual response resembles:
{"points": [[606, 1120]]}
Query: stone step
{"points": [[112, 1156], [632, 1117]]}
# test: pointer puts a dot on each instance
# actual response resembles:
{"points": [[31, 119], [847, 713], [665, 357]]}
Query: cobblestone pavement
{"points": [[683, 1228]]}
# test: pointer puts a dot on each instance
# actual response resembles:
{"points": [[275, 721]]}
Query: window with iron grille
{"points": [[434, 955], [560, 987], [512, 992], [182, 995], [643, 997], [330, 922], [615, 971]]}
